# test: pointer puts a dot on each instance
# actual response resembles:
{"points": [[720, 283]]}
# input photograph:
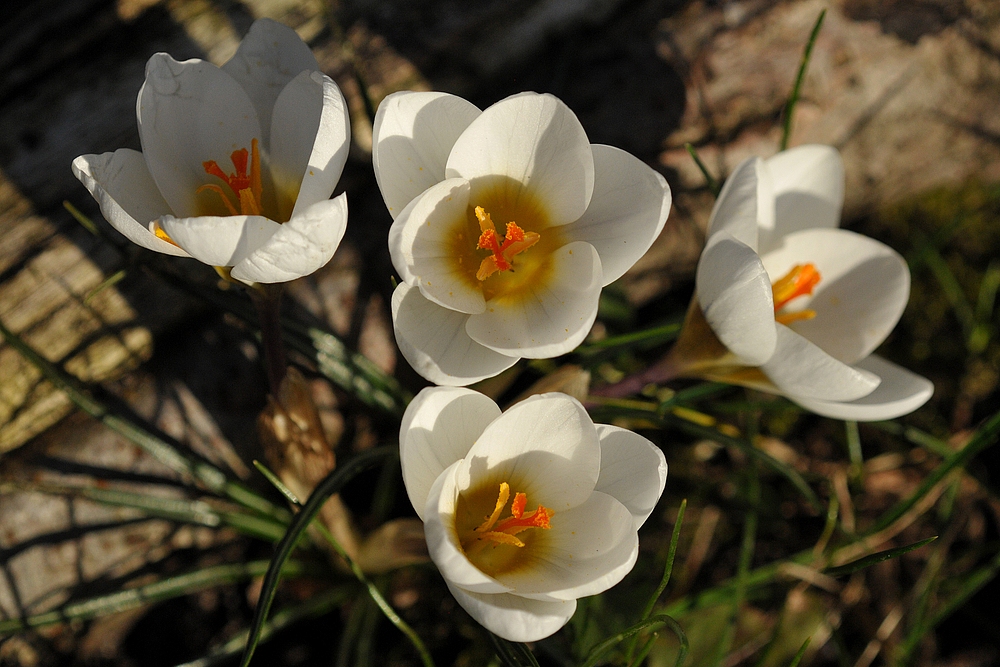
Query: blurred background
{"points": [[907, 90]]}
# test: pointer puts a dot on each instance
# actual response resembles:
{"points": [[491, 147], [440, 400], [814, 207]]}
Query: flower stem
{"points": [[267, 300]]}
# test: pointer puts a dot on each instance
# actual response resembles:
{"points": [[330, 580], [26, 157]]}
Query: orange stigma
{"points": [[516, 241], [503, 532], [800, 281], [245, 187]]}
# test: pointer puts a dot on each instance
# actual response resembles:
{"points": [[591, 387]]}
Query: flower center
{"points": [[800, 281], [504, 532], [515, 241], [244, 189]]}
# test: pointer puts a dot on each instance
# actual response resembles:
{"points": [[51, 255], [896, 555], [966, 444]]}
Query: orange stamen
{"points": [[503, 532], [516, 241], [246, 187], [800, 281]]}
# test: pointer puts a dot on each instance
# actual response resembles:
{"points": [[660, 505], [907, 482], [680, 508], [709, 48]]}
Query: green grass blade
{"points": [[710, 181], [276, 482], [793, 99], [802, 651], [513, 654], [953, 291], [167, 453], [668, 569], [659, 620], [868, 561], [984, 438], [164, 589], [643, 339], [317, 605], [330, 485]]}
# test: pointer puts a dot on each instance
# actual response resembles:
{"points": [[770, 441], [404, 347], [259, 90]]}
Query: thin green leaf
{"points": [[184, 510], [658, 620], [330, 485], [868, 561], [984, 438], [973, 583], [512, 654], [110, 281], [317, 605], [802, 651], [710, 181], [647, 647], [164, 589], [165, 452], [917, 437], [84, 221], [276, 483], [953, 291], [668, 569], [793, 99], [643, 339]]}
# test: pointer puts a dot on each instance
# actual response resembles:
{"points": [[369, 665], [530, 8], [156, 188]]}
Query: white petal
{"points": [[422, 241], [737, 209], [189, 113], [515, 618], [801, 369], [129, 199], [299, 247], [633, 470], [627, 210], [310, 136], [219, 240], [268, 58], [551, 317], [900, 393], [412, 136], [588, 550], [863, 289], [442, 540], [809, 191], [545, 447], [735, 295], [439, 427], [537, 141], [434, 341]]}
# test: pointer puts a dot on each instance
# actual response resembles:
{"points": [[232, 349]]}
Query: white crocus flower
{"points": [[507, 224], [238, 162], [796, 305], [525, 511]]}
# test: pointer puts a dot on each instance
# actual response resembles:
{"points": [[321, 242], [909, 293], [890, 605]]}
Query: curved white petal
{"points": [[219, 241], [537, 141], [809, 191], [268, 58], [439, 427], [633, 471], [588, 550], [129, 199], [310, 137], [900, 393], [545, 446], [434, 341], [553, 316], [801, 369], [627, 210], [442, 540], [413, 134], [422, 245], [298, 247], [515, 618], [191, 112], [737, 208], [735, 295], [864, 286]]}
